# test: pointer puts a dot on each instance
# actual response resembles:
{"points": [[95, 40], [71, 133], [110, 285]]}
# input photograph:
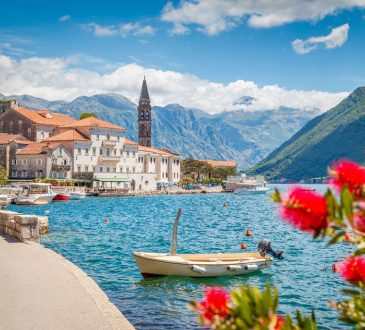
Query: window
{"points": [[107, 152], [121, 152], [147, 115], [108, 169], [94, 168], [60, 152], [127, 153], [142, 114], [114, 169], [134, 154], [14, 174], [101, 151], [86, 151], [177, 162], [24, 162], [94, 151], [121, 169], [163, 175], [154, 160], [79, 151], [24, 174], [101, 169], [115, 152], [127, 169], [79, 168], [118, 138], [10, 124], [134, 169], [20, 124], [39, 161], [42, 135], [86, 168], [97, 136], [13, 162], [151, 160], [54, 174], [108, 136]]}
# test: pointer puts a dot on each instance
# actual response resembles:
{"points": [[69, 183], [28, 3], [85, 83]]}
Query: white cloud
{"points": [[122, 30], [57, 78], [64, 18], [215, 16], [336, 38]]}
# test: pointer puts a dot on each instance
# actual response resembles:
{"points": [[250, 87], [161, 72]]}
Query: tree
{"points": [[3, 176], [87, 115]]}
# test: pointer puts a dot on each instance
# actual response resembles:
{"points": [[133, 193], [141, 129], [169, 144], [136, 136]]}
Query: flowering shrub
{"points": [[341, 218]]}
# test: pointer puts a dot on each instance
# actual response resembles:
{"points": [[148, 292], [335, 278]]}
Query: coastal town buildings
{"points": [[89, 149]]}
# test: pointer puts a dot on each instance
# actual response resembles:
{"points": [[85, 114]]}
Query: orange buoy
{"points": [[243, 246], [334, 268], [106, 220], [225, 204], [248, 233]]}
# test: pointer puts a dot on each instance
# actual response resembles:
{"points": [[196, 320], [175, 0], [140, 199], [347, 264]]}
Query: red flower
{"points": [[349, 173], [359, 223], [305, 210], [215, 303], [280, 322], [352, 269]]}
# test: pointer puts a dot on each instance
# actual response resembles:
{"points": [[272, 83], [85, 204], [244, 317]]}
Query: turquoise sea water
{"points": [[104, 251]]}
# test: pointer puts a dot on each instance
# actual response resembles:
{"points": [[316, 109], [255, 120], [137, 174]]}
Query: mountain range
{"points": [[244, 136], [334, 135]]}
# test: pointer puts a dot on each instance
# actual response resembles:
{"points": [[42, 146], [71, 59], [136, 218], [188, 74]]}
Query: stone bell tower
{"points": [[144, 117]]}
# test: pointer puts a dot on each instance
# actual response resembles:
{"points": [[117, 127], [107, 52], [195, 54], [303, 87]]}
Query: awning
{"points": [[112, 179]]}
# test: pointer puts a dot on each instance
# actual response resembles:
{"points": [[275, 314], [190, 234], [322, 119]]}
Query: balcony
{"points": [[109, 143], [109, 159]]}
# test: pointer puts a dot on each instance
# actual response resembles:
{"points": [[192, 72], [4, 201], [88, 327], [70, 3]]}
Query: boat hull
{"points": [[41, 200], [76, 196], [199, 265], [61, 197], [240, 191]]}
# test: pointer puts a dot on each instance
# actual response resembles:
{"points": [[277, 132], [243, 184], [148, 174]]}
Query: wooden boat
{"points": [[34, 194], [200, 265]]}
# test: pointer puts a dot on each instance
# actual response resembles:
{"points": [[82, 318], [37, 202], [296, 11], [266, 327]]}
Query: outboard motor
{"points": [[264, 247]]}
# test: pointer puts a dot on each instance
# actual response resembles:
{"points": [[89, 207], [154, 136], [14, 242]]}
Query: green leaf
{"points": [[276, 197], [347, 202], [337, 238]]}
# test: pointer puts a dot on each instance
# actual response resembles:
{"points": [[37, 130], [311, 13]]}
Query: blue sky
{"points": [[213, 41]]}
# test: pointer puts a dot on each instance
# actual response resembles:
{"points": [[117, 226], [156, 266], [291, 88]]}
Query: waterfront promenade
{"points": [[42, 290]]}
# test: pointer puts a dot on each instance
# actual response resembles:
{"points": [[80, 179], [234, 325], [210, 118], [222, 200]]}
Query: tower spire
{"points": [[144, 116]]}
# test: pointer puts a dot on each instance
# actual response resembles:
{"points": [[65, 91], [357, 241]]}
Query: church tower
{"points": [[144, 117]]}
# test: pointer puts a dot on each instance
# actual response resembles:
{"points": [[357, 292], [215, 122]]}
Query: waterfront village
{"points": [[52, 147]]}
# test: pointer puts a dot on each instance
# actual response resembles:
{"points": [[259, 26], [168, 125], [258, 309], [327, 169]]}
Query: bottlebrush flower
{"points": [[359, 223], [280, 322], [305, 210], [352, 269], [349, 173], [214, 304]]}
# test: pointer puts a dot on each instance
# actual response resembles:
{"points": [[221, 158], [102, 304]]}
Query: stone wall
{"points": [[24, 227]]}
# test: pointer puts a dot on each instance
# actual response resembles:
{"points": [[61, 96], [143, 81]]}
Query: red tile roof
{"points": [[70, 135], [17, 138], [220, 163], [45, 117], [37, 148], [157, 151], [130, 142], [93, 122]]}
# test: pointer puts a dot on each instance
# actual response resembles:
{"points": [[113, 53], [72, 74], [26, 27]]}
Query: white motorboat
{"points": [[203, 265], [77, 194], [245, 189], [243, 185], [35, 194]]}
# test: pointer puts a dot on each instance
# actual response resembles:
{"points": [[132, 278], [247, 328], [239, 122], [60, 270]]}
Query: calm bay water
{"points": [[104, 251]]}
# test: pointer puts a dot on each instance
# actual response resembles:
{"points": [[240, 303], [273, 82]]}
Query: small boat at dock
{"points": [[77, 195], [61, 197], [34, 194], [203, 265]]}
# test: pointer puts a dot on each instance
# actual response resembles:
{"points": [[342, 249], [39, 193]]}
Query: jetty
{"points": [[42, 290]]}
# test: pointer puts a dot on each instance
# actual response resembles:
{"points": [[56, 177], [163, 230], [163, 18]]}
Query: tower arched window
{"points": [[142, 114], [147, 115]]}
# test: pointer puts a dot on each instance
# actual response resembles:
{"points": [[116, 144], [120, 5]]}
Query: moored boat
{"points": [[243, 185], [61, 197], [203, 265], [34, 194], [77, 195]]}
